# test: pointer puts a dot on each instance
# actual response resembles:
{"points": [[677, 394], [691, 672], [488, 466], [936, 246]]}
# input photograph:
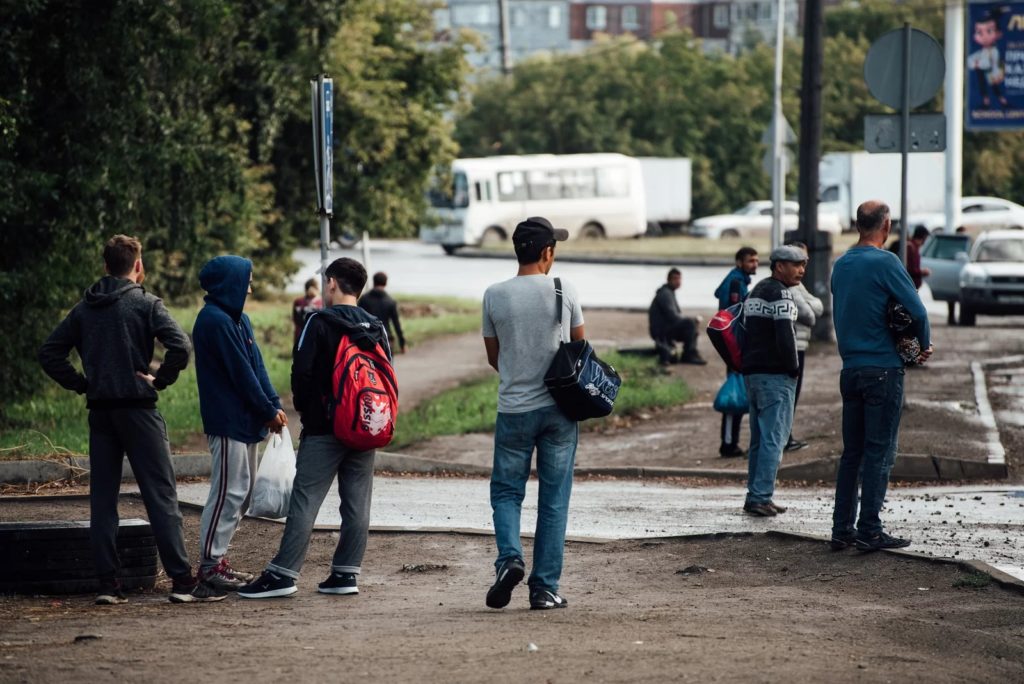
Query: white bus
{"points": [[590, 195]]}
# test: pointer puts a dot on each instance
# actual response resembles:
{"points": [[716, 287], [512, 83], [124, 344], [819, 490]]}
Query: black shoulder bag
{"points": [[582, 385]]}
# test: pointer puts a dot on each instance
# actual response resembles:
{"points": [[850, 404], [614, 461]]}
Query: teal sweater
{"points": [[864, 281]]}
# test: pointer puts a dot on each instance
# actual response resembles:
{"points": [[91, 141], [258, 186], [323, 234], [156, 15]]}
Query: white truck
{"points": [[849, 178], [667, 184]]}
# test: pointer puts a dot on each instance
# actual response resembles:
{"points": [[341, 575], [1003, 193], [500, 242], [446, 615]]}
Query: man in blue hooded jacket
{"points": [[238, 405]]}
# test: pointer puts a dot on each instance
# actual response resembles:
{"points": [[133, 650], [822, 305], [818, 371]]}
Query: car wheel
{"points": [[1015, 228], [730, 233], [967, 316], [591, 231], [449, 249], [493, 237]]}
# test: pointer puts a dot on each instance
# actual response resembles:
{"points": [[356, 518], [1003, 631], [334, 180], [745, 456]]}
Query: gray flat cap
{"points": [[788, 253]]}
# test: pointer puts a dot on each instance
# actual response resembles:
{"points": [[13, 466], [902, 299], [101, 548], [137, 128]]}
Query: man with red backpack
{"points": [[345, 413]]}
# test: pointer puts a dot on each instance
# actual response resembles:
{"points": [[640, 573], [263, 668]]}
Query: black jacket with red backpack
{"points": [[314, 356]]}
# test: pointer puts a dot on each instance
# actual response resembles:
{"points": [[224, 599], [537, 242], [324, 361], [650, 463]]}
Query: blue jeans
{"points": [[771, 420], [872, 402], [515, 437]]}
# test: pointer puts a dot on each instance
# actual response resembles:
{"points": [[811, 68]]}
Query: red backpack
{"points": [[727, 330], [365, 404]]}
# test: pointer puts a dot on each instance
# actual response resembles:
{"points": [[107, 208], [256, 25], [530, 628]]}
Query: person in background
{"points": [[733, 290], [305, 305], [865, 281], [668, 325], [378, 302], [917, 240], [808, 308]]}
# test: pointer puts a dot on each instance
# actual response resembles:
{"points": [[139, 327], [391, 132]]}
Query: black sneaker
{"points": [[763, 510], [777, 507], [268, 585], [110, 594], [509, 574], [694, 359], [881, 541], [794, 445], [193, 590], [339, 583], [838, 542], [731, 451], [542, 599]]}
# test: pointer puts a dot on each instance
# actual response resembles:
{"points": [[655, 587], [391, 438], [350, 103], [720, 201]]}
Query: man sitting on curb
{"points": [[668, 325]]}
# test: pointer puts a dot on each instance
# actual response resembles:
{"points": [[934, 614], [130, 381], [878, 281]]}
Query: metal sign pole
{"points": [[778, 167], [323, 163], [905, 143]]}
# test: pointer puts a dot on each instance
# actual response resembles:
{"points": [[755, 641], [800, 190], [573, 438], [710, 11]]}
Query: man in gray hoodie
{"points": [[113, 329]]}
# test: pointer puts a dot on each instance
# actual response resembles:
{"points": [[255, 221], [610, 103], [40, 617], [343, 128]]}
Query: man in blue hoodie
{"points": [[734, 289], [238, 405], [322, 459], [865, 282]]}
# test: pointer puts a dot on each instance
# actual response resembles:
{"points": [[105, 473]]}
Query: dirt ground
{"points": [[939, 418], [767, 609]]}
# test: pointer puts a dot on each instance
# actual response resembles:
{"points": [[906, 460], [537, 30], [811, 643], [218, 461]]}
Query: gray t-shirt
{"points": [[521, 313]]}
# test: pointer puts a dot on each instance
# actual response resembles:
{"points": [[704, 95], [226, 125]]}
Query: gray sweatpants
{"points": [[320, 459], [232, 475]]}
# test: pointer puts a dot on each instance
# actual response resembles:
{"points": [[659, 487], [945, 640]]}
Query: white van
{"points": [[590, 195]]}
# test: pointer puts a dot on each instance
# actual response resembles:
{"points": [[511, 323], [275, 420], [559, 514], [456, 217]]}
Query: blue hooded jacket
{"points": [[734, 288], [236, 399]]}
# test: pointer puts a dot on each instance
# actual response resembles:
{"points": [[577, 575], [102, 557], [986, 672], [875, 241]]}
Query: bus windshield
{"points": [[453, 196]]}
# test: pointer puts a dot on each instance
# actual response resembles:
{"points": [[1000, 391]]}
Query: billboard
{"points": [[994, 77]]}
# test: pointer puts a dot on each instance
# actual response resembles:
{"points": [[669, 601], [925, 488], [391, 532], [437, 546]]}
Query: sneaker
{"points": [[838, 542], [731, 451], [339, 583], [794, 445], [777, 507], [881, 541], [110, 594], [694, 359], [763, 510], [268, 585], [193, 590], [221, 577], [542, 599], [509, 575], [246, 577]]}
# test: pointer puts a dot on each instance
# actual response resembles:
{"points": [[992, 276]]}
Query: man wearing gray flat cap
{"points": [[770, 370]]}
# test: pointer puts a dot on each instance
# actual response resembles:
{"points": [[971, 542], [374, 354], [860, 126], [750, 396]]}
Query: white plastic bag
{"points": [[273, 488]]}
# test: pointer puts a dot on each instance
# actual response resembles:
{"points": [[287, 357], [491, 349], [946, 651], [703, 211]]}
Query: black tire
{"points": [[48, 587], [592, 231], [967, 316], [730, 233], [450, 249]]}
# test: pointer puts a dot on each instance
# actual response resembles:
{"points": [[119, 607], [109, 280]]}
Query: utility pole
{"points": [[819, 244], [506, 50], [954, 111], [778, 160]]}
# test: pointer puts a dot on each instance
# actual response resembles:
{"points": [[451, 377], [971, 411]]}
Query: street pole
{"points": [[954, 111], [506, 53], [905, 144], [778, 165], [819, 244]]}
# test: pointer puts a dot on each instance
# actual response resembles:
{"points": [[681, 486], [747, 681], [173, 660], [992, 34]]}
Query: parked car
{"points": [[992, 279], [977, 214], [940, 255], [755, 220]]}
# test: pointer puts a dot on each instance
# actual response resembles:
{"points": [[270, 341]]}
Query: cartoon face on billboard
{"points": [[995, 64]]}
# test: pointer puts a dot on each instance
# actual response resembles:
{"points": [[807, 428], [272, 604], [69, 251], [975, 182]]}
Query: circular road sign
{"points": [[883, 68]]}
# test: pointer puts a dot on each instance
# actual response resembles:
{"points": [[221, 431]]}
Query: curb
{"points": [[608, 259]]}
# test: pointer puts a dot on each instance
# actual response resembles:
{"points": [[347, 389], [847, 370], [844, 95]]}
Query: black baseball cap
{"points": [[537, 230]]}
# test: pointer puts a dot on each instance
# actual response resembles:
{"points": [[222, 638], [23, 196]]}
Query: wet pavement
{"points": [[968, 523]]}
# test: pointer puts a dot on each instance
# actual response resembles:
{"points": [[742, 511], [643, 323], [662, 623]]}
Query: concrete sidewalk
{"points": [[966, 523]]}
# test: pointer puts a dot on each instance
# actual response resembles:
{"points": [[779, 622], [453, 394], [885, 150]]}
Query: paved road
{"points": [[419, 269], [970, 523]]}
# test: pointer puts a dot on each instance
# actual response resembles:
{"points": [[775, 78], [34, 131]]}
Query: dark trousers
{"points": [[731, 423], [684, 330], [872, 401], [142, 435], [801, 355]]}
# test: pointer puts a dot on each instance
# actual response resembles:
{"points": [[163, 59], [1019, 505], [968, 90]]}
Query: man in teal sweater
{"points": [[865, 281]]}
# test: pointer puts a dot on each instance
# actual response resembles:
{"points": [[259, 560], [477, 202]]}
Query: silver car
{"points": [[992, 279], [940, 255]]}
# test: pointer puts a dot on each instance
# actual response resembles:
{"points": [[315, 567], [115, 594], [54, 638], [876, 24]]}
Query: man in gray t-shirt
{"points": [[522, 336]]}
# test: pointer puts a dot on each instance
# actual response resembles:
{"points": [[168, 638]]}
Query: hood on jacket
{"points": [[364, 329], [735, 273], [226, 280], [108, 290]]}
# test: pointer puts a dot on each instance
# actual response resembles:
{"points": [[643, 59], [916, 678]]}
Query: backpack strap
{"points": [[558, 308]]}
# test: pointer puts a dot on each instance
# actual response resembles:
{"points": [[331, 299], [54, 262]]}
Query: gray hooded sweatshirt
{"points": [[113, 329]]}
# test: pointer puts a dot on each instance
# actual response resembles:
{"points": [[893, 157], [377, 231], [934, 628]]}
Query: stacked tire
{"points": [[56, 557]]}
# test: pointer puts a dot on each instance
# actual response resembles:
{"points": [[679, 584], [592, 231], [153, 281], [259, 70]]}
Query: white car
{"points": [[992, 279], [977, 214], [755, 220]]}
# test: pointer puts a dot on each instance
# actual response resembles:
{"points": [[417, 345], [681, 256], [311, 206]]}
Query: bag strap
{"points": [[558, 308]]}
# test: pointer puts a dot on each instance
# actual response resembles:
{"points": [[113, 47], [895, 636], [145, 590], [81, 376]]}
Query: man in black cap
{"points": [[770, 370], [522, 336]]}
